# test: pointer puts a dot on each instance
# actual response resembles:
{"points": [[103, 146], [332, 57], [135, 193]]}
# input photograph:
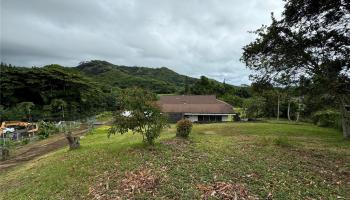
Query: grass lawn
{"points": [[265, 160]]}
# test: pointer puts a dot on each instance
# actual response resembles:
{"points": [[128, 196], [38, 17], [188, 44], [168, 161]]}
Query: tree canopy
{"points": [[311, 41], [137, 111]]}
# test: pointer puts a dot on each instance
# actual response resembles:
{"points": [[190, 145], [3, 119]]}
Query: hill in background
{"points": [[159, 80]]}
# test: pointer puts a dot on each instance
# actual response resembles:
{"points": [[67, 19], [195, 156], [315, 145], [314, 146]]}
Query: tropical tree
{"points": [[58, 104], [254, 107], [138, 112], [311, 40], [26, 107]]}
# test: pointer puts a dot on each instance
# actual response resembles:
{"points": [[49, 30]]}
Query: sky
{"points": [[191, 37]]}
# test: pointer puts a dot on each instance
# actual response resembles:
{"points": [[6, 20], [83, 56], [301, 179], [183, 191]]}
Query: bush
{"points": [[46, 129], [183, 128], [25, 141], [327, 118]]}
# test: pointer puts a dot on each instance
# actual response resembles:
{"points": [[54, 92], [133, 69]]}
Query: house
{"points": [[196, 108]]}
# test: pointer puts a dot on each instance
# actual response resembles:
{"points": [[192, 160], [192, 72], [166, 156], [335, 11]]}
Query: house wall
{"points": [[227, 118], [192, 118], [174, 117]]}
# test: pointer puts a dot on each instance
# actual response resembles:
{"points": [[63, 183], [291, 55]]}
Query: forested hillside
{"points": [[158, 80], [45, 93], [54, 92]]}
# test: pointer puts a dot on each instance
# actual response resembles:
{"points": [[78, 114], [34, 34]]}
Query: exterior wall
{"points": [[174, 117], [192, 118], [227, 118]]}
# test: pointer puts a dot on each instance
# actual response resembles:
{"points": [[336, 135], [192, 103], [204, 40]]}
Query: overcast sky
{"points": [[192, 37]]}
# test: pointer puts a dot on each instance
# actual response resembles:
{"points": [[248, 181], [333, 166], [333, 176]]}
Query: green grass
{"points": [[104, 116], [290, 161]]}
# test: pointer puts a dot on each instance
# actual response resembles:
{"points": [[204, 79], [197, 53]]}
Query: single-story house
{"points": [[196, 108]]}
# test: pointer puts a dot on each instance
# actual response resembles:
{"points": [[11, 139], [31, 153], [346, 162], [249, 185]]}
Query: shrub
{"points": [[327, 118], [25, 141], [46, 129], [183, 128]]}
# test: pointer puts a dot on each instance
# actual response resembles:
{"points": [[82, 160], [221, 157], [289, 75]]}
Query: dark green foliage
{"points": [[327, 118], [254, 107], [234, 100], [228, 93], [183, 128], [46, 129], [90, 88], [207, 86], [25, 141], [42, 86], [310, 43], [26, 107], [158, 80], [138, 112]]}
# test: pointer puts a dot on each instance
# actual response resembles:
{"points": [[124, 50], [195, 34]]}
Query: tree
{"points": [[26, 107], [138, 112], [311, 40], [253, 107], [187, 87], [58, 104]]}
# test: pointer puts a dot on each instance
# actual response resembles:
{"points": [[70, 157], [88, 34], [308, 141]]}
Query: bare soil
{"points": [[33, 150]]}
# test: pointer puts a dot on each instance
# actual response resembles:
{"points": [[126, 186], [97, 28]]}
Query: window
{"points": [[209, 118], [200, 118]]}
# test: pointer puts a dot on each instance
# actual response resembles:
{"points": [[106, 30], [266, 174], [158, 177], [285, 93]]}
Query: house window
{"points": [[200, 118], [209, 118]]}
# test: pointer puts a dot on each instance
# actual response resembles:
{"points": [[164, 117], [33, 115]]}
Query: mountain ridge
{"points": [[159, 80]]}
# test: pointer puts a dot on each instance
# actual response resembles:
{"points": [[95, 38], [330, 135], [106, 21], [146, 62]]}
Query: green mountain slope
{"points": [[159, 80]]}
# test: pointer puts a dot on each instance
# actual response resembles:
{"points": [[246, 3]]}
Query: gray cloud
{"points": [[191, 37]]}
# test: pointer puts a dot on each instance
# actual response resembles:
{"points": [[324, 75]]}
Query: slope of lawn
{"points": [[265, 160]]}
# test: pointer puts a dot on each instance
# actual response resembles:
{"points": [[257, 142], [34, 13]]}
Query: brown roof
{"points": [[194, 104]]}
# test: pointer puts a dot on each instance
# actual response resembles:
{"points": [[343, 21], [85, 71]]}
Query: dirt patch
{"points": [[34, 150], [129, 185], [222, 190]]}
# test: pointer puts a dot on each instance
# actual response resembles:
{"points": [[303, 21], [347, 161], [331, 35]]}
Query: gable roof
{"points": [[194, 104]]}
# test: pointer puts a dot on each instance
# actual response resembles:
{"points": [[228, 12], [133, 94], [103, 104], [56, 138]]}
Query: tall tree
{"points": [[60, 105], [312, 39], [26, 107]]}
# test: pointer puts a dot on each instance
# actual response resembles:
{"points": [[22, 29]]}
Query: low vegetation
{"points": [[267, 160], [183, 128]]}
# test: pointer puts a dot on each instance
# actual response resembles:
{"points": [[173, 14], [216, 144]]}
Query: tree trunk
{"points": [[298, 113], [278, 107], [62, 113], [288, 112], [345, 111], [4, 153], [73, 141]]}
